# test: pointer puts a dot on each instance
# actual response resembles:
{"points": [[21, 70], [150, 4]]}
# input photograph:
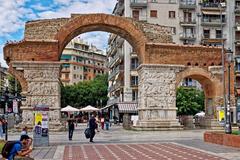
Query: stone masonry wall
{"points": [[157, 94], [48, 28], [43, 89]]}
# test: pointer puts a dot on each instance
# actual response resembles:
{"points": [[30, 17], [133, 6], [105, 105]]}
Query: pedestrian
{"points": [[107, 123], [102, 123], [71, 128], [1, 128], [16, 148], [92, 127]]}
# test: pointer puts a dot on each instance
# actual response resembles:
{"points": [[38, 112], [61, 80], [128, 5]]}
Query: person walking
{"points": [[70, 129], [92, 127], [102, 123], [1, 128], [107, 123]]}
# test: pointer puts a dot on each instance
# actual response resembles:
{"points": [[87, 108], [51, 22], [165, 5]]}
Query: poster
{"points": [[15, 106], [38, 118], [221, 116]]}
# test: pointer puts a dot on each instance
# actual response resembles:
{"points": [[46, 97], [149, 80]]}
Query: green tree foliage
{"points": [[11, 86], [189, 101], [85, 93]]}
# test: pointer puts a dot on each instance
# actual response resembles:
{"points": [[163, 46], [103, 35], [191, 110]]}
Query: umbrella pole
{"points": [[88, 115]]}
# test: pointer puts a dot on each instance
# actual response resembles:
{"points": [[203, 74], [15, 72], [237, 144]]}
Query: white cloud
{"points": [[13, 15], [91, 6], [2, 61], [99, 39]]}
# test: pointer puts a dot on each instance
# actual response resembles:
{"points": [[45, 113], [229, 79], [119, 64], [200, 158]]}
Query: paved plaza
{"points": [[121, 144]]}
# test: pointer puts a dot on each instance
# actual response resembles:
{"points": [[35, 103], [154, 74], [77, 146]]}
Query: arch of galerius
{"points": [[34, 61]]}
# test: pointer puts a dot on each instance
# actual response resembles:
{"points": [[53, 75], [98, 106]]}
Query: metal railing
{"points": [[187, 35], [138, 3], [115, 86], [115, 71], [113, 101], [187, 4]]}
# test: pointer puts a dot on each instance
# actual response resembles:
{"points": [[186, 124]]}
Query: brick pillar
{"points": [[42, 89], [157, 97]]}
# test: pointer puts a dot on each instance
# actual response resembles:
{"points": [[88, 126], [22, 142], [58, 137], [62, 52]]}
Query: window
{"points": [[135, 14], [171, 14], [67, 75], [74, 76], [218, 33], [134, 95], [206, 33], [134, 80], [153, 13], [74, 67], [173, 30], [134, 63], [80, 77]]}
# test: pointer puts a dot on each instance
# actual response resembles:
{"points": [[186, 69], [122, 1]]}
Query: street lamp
{"points": [[228, 127]]}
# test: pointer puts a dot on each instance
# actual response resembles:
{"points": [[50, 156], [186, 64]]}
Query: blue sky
{"points": [[14, 14]]}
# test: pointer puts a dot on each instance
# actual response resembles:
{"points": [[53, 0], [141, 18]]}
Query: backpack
{"points": [[87, 133], [7, 148]]}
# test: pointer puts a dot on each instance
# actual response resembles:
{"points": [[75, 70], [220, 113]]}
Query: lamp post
{"points": [[6, 98], [228, 127], [221, 6]]}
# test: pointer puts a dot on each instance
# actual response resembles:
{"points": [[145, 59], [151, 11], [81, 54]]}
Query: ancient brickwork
{"points": [[164, 65], [43, 29], [42, 89]]}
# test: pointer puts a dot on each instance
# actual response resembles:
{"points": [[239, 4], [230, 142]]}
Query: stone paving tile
{"points": [[146, 151]]}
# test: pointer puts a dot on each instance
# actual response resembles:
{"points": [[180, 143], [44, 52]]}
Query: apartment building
{"points": [[193, 22], [237, 55], [81, 62]]}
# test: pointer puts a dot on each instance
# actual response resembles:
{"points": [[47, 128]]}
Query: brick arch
{"points": [[102, 22], [19, 76], [211, 85]]}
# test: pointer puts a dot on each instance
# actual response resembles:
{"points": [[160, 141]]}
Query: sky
{"points": [[14, 14]]}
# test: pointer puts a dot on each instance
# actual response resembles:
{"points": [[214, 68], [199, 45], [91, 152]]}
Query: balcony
{"points": [[185, 4], [187, 22], [138, 4], [237, 10], [115, 71], [113, 100], [119, 41], [213, 22], [187, 36], [211, 6], [119, 56], [206, 39], [237, 41], [65, 70], [115, 87]]}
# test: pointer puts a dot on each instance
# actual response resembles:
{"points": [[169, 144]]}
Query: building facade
{"points": [[81, 62], [193, 22]]}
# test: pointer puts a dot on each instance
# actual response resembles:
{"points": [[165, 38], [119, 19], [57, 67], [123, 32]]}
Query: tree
{"points": [[12, 84], [85, 93], [189, 101]]}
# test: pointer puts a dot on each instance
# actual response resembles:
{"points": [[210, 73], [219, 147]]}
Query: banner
{"points": [[15, 106]]}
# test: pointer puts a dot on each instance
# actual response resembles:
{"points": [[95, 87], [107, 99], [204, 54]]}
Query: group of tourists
{"points": [[93, 125]]}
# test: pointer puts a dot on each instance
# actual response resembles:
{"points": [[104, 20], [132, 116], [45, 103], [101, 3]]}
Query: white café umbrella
{"points": [[89, 109], [200, 114], [69, 109]]}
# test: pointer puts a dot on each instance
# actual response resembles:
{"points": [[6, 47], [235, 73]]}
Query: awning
{"points": [[237, 59], [238, 91], [127, 107], [213, 12]]}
